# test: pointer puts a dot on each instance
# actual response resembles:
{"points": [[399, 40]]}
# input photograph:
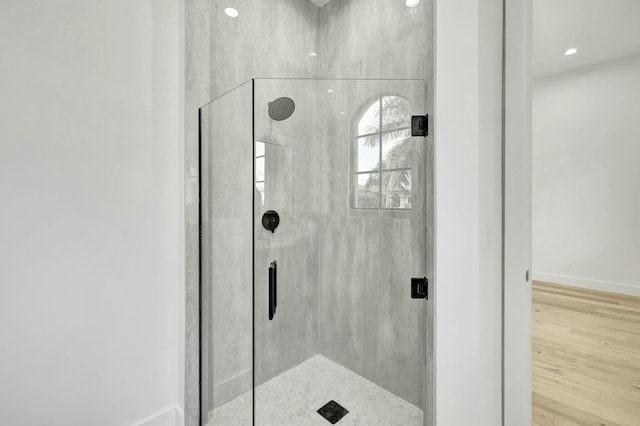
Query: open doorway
{"points": [[585, 347]]}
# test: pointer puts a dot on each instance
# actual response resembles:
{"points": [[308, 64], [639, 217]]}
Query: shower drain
{"points": [[333, 412]]}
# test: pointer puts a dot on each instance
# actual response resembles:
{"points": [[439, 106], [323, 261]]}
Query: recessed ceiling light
{"points": [[231, 12], [412, 3], [330, 90], [342, 112], [313, 54], [571, 51]]}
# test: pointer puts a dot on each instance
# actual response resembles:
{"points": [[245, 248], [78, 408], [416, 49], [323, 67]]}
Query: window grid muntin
{"points": [[379, 171], [257, 157], [397, 129]]}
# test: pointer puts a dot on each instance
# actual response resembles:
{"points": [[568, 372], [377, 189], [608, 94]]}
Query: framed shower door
{"points": [[337, 334]]}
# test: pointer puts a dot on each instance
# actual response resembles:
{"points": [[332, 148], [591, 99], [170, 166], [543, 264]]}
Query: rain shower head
{"points": [[281, 108]]}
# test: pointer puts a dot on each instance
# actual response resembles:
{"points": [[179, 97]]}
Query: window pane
{"points": [[396, 189], [260, 194], [396, 112], [260, 169], [397, 150], [368, 155], [367, 194], [259, 149], [370, 121]]}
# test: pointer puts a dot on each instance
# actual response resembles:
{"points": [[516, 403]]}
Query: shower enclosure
{"points": [[313, 241]]}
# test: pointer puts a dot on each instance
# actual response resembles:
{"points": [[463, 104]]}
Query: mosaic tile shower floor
{"points": [[294, 397]]}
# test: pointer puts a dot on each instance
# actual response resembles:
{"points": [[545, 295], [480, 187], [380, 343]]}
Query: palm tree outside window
{"points": [[383, 153]]}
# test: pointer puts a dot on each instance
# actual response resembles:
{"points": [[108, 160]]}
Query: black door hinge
{"points": [[420, 125], [420, 288]]}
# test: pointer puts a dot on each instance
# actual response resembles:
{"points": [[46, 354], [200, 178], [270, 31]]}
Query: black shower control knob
{"points": [[270, 220]]}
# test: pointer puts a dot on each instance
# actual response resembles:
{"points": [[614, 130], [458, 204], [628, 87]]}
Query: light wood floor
{"points": [[586, 357]]}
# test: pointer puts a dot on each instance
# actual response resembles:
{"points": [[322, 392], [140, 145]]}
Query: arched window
{"points": [[381, 165], [260, 173]]}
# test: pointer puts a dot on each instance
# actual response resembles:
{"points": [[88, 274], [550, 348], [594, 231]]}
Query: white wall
{"points": [[468, 212], [91, 222], [586, 198]]}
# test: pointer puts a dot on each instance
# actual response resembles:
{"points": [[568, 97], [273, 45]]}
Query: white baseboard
{"points": [[609, 287], [172, 416]]}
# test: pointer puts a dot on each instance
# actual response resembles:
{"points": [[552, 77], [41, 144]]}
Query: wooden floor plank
{"points": [[586, 357]]}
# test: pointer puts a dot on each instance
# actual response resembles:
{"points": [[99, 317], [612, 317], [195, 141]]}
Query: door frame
{"points": [[516, 330]]}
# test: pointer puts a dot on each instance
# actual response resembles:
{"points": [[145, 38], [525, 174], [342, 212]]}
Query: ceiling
{"points": [[319, 3], [601, 30]]}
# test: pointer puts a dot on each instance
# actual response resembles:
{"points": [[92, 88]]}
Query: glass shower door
{"points": [[226, 259], [339, 232]]}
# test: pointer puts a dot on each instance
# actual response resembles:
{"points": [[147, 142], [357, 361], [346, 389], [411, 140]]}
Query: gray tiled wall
{"points": [[268, 39], [197, 93], [331, 246], [367, 321], [291, 337]]}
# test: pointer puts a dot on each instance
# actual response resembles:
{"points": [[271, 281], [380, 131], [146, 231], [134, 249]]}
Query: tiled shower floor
{"points": [[293, 398]]}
